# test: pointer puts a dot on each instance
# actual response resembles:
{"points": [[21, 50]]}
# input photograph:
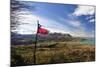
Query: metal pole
{"points": [[36, 37]]}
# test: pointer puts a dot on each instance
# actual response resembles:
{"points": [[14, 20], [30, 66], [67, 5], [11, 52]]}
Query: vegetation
{"points": [[52, 52]]}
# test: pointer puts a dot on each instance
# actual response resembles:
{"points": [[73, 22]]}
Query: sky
{"points": [[77, 20]]}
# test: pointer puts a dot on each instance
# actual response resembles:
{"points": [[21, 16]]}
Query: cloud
{"points": [[92, 20], [84, 10], [71, 20], [76, 28], [28, 23], [90, 17], [74, 23], [88, 11]]}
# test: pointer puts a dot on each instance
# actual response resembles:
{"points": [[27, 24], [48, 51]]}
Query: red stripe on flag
{"points": [[43, 31]]}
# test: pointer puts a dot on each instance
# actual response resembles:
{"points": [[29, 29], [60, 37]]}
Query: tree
{"points": [[16, 8]]}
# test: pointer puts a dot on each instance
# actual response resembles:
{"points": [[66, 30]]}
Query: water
{"points": [[90, 41]]}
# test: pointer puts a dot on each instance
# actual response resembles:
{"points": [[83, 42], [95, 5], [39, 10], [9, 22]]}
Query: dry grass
{"points": [[62, 52]]}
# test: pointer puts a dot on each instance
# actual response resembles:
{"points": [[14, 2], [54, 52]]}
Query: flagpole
{"points": [[36, 37]]}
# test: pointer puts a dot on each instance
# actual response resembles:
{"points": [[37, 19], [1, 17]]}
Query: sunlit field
{"points": [[53, 52]]}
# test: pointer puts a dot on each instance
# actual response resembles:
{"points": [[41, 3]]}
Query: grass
{"points": [[50, 53]]}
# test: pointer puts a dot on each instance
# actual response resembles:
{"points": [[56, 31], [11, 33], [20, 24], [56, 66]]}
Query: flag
{"points": [[42, 30]]}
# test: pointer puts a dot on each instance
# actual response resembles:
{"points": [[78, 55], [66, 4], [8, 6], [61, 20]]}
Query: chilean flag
{"points": [[42, 30]]}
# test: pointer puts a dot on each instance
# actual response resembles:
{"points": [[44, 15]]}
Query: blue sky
{"points": [[77, 20]]}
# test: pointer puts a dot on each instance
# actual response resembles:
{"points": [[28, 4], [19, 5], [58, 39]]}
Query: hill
{"points": [[30, 38]]}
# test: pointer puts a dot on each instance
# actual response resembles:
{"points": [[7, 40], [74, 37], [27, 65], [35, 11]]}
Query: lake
{"points": [[90, 41]]}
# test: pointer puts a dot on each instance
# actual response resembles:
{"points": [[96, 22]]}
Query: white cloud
{"points": [[51, 25], [81, 33], [28, 23], [77, 30], [74, 23], [84, 10], [92, 20], [90, 17]]}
